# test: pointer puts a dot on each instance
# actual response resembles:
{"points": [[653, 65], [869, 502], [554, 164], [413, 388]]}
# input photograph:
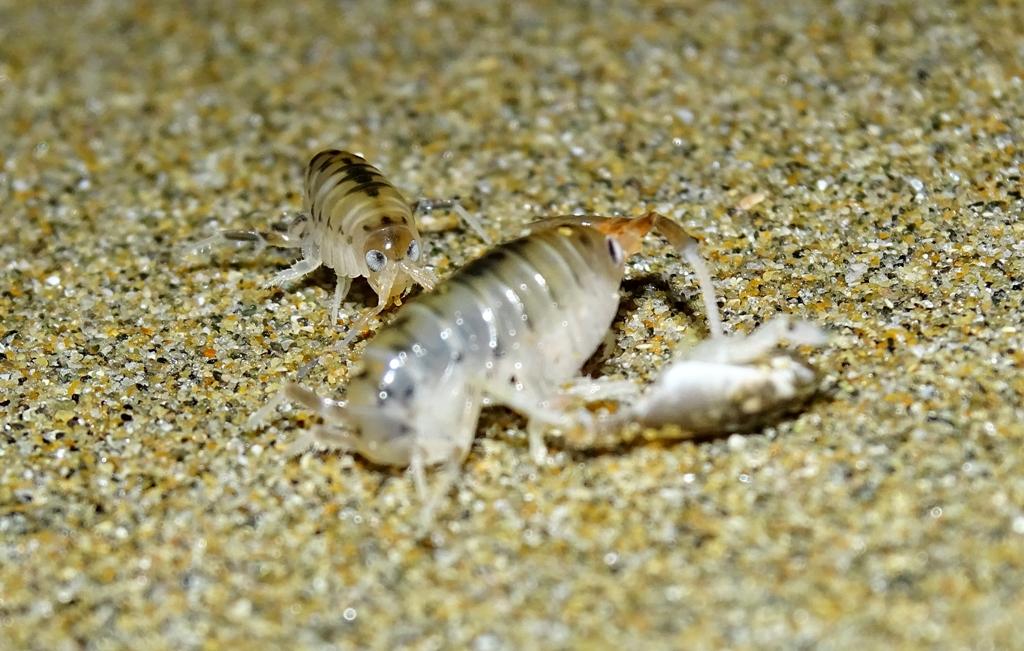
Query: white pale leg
{"points": [[425, 205], [362, 323], [707, 290], [460, 444], [292, 392], [261, 238], [262, 414], [761, 343], [472, 222], [293, 239], [418, 469], [686, 245], [447, 477], [328, 435], [301, 268], [587, 388], [540, 413], [324, 436], [340, 292]]}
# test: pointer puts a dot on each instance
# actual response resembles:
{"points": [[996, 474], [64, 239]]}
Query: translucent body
{"points": [[735, 383], [511, 327], [724, 384], [514, 326]]}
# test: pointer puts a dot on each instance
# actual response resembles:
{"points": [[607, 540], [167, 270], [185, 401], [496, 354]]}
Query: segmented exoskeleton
{"points": [[509, 328], [354, 222]]}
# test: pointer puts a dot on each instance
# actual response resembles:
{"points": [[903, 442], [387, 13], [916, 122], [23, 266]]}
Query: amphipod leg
{"points": [[429, 205], [424, 277], [307, 264], [262, 238], [463, 440], [762, 343], [582, 429], [528, 399], [340, 292], [324, 436], [362, 323], [328, 435], [449, 474], [601, 388], [472, 222], [293, 239], [418, 469], [328, 409], [688, 248]]}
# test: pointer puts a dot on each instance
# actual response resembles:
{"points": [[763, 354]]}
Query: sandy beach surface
{"points": [[856, 164]]}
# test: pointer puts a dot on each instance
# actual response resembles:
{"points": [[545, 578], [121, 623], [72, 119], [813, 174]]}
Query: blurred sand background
{"points": [[853, 163]]}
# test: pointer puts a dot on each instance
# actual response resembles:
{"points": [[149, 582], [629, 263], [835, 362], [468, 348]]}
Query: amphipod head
{"points": [[393, 259]]}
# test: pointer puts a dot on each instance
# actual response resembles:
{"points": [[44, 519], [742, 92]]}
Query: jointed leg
{"points": [[304, 266], [535, 428], [601, 388], [540, 413], [262, 239], [762, 343], [264, 412], [461, 443], [328, 409], [418, 469], [340, 291], [687, 247], [325, 436], [328, 435], [472, 222], [448, 475], [292, 239], [362, 323], [429, 205], [331, 411], [424, 276]]}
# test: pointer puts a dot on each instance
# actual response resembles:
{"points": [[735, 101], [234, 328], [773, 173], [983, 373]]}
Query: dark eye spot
{"points": [[614, 250], [375, 260], [413, 252]]}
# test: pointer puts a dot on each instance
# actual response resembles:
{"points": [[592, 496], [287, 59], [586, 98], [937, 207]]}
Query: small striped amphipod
{"points": [[509, 328], [356, 223]]}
